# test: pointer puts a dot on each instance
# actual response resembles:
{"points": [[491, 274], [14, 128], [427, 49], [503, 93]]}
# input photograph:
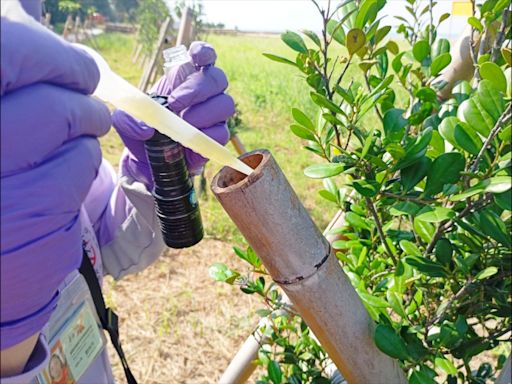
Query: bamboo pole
{"points": [[146, 76], [269, 214], [67, 26], [461, 66], [241, 367], [186, 27], [505, 376], [237, 144]]}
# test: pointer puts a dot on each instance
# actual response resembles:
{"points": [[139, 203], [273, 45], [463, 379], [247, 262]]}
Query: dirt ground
{"points": [[177, 325]]}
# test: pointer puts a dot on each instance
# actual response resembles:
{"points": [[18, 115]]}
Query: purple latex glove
{"points": [[49, 158], [198, 98]]}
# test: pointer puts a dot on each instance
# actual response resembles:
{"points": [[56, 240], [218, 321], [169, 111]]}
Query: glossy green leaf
{"points": [[335, 29], [444, 251], [373, 301], [497, 184], [487, 272], [313, 36], [394, 124], [493, 226], [220, 272], [424, 230], [355, 40], [323, 102], [249, 256], [274, 372], [446, 365], [421, 50], [460, 135], [367, 11], [445, 169], [279, 59], [443, 17], [320, 171], [475, 23], [389, 342], [490, 71], [356, 221], [435, 214], [412, 175], [426, 266], [440, 63], [404, 208], [381, 34], [507, 55], [410, 248], [301, 118], [420, 377], [473, 113], [392, 47], [490, 99], [416, 150], [504, 200], [302, 132], [395, 302], [294, 41], [366, 188]]}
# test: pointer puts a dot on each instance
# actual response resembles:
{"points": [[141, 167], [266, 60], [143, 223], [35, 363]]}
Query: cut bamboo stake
{"points": [[461, 66], [242, 367], [67, 26], [269, 214], [146, 76], [237, 144], [186, 27], [505, 376]]}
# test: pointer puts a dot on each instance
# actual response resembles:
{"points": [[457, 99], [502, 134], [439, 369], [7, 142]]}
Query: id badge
{"points": [[75, 340]]}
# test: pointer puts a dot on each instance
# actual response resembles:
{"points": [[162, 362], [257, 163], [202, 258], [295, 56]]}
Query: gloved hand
{"points": [[49, 158], [199, 99]]}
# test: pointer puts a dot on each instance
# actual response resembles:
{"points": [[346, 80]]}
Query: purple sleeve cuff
{"points": [[36, 363]]}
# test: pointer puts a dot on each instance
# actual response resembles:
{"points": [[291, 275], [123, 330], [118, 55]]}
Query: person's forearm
{"points": [[14, 359]]}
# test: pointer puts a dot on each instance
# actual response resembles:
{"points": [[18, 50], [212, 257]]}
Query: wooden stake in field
{"points": [[269, 214], [152, 66]]}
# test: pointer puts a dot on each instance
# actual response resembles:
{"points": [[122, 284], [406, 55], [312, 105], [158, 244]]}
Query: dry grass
{"points": [[177, 324]]}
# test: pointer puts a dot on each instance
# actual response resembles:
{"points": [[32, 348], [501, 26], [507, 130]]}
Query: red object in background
{"points": [[97, 18]]}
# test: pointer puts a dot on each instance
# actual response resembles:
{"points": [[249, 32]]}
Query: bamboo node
{"points": [[316, 267]]}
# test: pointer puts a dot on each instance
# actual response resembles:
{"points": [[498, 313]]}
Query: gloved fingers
{"points": [[195, 162], [198, 87], [215, 110], [161, 87], [33, 128], [128, 127], [202, 54], [49, 195], [33, 54]]}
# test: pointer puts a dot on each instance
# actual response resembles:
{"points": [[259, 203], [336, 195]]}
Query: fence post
{"points": [[146, 76], [186, 28]]}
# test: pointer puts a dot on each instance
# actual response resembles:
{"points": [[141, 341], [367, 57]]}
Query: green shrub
{"points": [[426, 192]]}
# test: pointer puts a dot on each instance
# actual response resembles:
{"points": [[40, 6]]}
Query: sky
{"points": [[281, 15]]}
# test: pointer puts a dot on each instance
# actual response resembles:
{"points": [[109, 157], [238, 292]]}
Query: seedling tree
{"points": [[424, 183]]}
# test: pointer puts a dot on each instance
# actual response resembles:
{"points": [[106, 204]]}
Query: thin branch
{"points": [[504, 119], [500, 36], [378, 224], [472, 35], [407, 198], [462, 292], [369, 89]]}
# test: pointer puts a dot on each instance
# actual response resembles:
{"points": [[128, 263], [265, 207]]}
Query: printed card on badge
{"points": [[74, 348]]}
